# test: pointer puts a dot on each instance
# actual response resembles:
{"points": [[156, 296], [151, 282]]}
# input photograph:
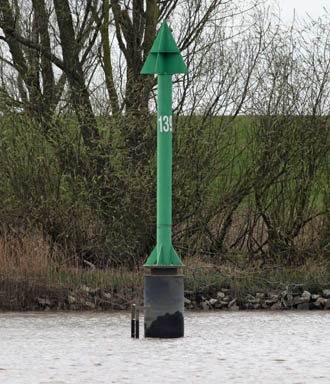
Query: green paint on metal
{"points": [[164, 42], [164, 59], [161, 257]]}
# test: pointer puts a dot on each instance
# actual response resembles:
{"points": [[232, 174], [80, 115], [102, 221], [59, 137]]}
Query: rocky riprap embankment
{"points": [[83, 298], [293, 297], [86, 298]]}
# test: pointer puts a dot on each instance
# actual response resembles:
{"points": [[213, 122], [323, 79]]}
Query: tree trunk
{"points": [[79, 92]]}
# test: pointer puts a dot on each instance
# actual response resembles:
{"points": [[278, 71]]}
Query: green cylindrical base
{"points": [[164, 304]]}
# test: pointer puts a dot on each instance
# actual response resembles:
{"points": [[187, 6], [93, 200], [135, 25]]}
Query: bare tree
{"points": [[292, 135]]}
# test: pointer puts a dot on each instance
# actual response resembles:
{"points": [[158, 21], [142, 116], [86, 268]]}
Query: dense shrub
{"points": [[255, 185]]}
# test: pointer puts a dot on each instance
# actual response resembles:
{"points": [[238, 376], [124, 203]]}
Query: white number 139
{"points": [[165, 123]]}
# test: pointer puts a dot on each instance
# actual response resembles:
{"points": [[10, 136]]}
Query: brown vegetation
{"points": [[33, 276]]}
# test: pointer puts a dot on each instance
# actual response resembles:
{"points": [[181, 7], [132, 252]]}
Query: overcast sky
{"points": [[314, 8]]}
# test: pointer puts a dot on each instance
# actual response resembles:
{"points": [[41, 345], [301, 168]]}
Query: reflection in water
{"points": [[219, 347]]}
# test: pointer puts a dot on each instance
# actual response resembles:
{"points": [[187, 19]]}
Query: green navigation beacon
{"points": [[163, 282], [164, 60]]}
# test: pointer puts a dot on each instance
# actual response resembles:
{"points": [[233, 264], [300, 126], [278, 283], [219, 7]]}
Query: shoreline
{"points": [[48, 286], [36, 295]]}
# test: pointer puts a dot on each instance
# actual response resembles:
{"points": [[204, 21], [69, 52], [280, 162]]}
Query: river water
{"points": [[218, 347]]}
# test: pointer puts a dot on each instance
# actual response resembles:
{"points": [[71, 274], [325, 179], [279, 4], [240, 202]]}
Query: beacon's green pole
{"points": [[164, 60], [164, 170], [163, 283]]}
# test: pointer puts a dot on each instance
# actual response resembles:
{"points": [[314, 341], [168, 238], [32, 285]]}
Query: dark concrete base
{"points": [[164, 306]]}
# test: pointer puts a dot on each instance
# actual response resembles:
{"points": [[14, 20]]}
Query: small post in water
{"points": [[133, 321], [137, 324], [135, 330]]}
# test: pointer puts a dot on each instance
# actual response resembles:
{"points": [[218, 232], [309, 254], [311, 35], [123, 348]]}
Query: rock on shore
{"points": [[293, 297], [84, 298], [32, 297]]}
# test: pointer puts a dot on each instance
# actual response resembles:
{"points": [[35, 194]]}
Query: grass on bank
{"points": [[30, 267]]}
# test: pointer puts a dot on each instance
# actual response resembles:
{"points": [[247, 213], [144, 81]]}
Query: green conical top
{"points": [[164, 57], [164, 42]]}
